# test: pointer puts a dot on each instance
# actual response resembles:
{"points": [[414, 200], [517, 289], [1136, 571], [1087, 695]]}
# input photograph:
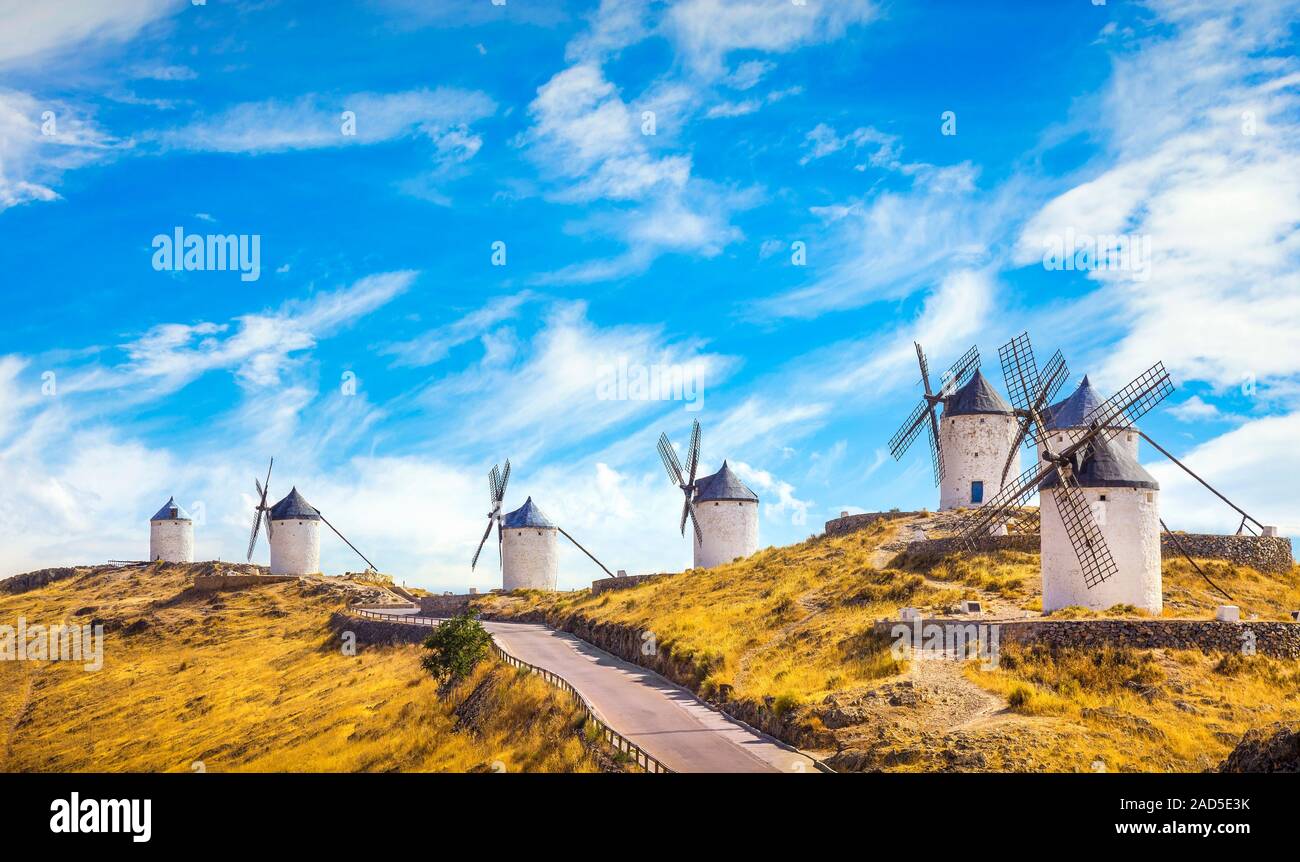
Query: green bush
{"points": [[456, 647]]}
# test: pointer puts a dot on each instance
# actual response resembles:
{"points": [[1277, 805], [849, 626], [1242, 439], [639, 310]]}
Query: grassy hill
{"points": [[783, 640], [254, 680]]}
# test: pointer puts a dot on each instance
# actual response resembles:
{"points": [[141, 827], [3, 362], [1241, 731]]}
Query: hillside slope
{"points": [[254, 680], [783, 640]]}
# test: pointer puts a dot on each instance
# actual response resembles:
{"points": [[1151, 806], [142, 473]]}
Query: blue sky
{"points": [[774, 124]]}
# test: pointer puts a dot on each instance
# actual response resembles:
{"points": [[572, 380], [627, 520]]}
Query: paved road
{"points": [[664, 719]]}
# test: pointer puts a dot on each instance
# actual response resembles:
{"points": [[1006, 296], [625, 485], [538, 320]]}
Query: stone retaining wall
{"points": [[626, 582], [853, 523], [935, 548], [1277, 639], [443, 606], [212, 583], [1264, 553], [37, 579], [378, 632]]}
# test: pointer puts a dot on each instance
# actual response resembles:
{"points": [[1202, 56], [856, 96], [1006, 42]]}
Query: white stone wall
{"points": [[530, 558], [1130, 522], [1126, 440], [171, 541], [974, 449], [730, 529], [295, 548]]}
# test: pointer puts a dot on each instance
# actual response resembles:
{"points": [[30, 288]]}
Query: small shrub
{"points": [[455, 648], [1020, 697], [785, 704]]}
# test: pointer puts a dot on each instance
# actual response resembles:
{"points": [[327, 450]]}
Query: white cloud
{"points": [[551, 396], [1194, 409], [706, 31], [442, 115], [1221, 298], [40, 141], [889, 246], [36, 32], [1245, 464], [433, 346]]}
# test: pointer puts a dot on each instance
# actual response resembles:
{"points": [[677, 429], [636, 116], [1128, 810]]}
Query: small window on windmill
{"points": [[1101, 497], [717, 504], [1151, 498], [1130, 438]]}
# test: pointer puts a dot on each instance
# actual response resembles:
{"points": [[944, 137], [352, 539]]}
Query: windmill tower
{"points": [[293, 530], [976, 435], [530, 550], [975, 439], [527, 541], [171, 534], [1067, 419], [722, 510], [1100, 519], [1125, 501]]}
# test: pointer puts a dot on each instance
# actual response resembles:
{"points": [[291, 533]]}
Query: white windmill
{"points": [[293, 531], [527, 541], [1092, 486], [171, 534], [1100, 519], [971, 442], [721, 509]]}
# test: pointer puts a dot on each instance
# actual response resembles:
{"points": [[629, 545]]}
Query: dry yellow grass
{"points": [[792, 624], [253, 681], [789, 622], [1143, 710]]}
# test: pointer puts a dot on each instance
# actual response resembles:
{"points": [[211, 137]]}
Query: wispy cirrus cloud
{"points": [[313, 121]]}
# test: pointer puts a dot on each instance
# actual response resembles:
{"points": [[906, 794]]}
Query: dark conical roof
{"points": [[1073, 411], [723, 485], [171, 512], [1108, 465], [527, 515], [976, 396], [294, 507]]}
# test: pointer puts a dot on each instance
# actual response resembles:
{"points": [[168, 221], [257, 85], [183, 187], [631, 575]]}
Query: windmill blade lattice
{"points": [[262, 511], [497, 482], [954, 378], [684, 481]]}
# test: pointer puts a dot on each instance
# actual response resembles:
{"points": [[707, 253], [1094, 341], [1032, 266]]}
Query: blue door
{"points": [[977, 492]]}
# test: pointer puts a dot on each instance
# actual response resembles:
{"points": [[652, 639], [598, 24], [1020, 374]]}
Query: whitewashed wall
{"points": [[295, 548], [171, 541], [530, 558], [730, 529], [975, 449], [1131, 528]]}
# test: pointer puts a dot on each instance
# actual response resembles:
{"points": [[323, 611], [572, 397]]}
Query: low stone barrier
{"points": [[1270, 554], [37, 579], [1276, 639], [927, 549], [212, 583], [852, 523], [605, 585], [378, 632], [1264, 553], [444, 606]]}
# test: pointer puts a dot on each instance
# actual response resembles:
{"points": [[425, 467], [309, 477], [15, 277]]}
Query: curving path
{"points": [[666, 720]]}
